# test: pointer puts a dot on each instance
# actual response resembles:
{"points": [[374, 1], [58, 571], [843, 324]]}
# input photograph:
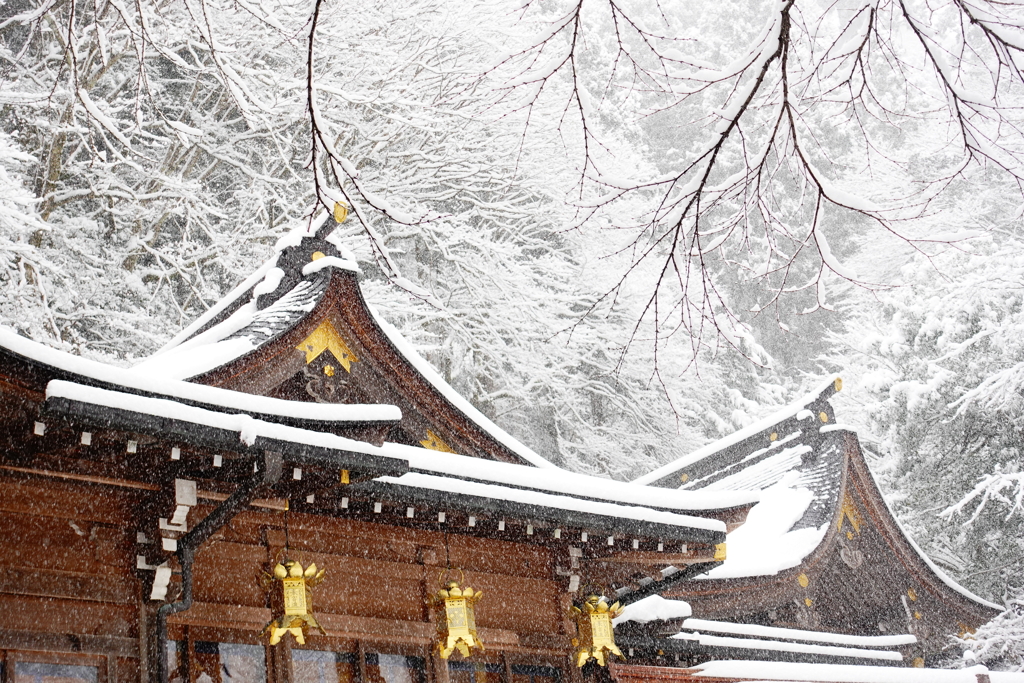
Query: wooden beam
{"points": [[655, 558], [90, 478]]}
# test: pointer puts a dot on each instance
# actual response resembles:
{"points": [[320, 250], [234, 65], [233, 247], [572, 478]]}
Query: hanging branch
{"points": [[762, 183]]}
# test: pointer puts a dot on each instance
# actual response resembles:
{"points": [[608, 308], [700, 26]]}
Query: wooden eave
{"points": [[599, 527], [218, 462], [26, 378], [394, 379]]}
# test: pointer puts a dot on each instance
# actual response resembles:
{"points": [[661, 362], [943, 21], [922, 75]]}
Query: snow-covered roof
{"points": [[243, 292], [436, 470], [732, 643], [272, 301], [750, 670], [653, 608], [538, 499], [221, 400], [797, 411], [756, 630], [248, 427], [555, 480], [769, 541], [265, 306]]}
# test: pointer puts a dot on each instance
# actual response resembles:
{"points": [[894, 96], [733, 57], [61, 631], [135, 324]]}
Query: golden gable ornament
{"points": [[291, 605], [595, 637], [456, 619]]}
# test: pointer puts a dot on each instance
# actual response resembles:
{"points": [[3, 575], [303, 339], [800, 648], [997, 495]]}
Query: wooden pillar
{"points": [[569, 631], [428, 557], [361, 662], [149, 645], [592, 672], [280, 669], [439, 667], [189, 664], [111, 666]]}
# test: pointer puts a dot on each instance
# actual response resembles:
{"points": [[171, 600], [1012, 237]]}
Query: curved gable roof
{"points": [[266, 336]]}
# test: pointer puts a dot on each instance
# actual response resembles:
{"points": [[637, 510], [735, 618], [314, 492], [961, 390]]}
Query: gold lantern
{"points": [[292, 604], [595, 638], [456, 621]]}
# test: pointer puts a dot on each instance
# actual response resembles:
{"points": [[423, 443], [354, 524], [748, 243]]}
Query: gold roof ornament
{"points": [[595, 636], [291, 605], [340, 212], [326, 338], [436, 443], [456, 619]]}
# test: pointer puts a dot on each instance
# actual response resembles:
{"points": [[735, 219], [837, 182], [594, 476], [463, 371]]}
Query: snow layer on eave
{"points": [[765, 545], [846, 673], [653, 608], [214, 396], [455, 398], [246, 425], [556, 480], [734, 438], [780, 646], [548, 500], [797, 634], [249, 429]]}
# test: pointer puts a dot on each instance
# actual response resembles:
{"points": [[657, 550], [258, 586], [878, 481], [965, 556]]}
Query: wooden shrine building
{"points": [[162, 522]]}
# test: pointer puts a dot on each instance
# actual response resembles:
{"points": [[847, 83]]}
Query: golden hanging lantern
{"points": [[595, 637], [291, 604], [455, 618]]}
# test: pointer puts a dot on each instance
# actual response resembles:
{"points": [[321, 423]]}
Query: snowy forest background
{"points": [[622, 230]]}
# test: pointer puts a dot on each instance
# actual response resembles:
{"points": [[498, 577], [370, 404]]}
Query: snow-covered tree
{"points": [[782, 129]]}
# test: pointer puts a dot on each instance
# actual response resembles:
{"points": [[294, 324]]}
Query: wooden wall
{"points": [[69, 582]]}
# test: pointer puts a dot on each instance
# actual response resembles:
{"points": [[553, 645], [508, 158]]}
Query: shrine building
{"points": [[288, 493]]}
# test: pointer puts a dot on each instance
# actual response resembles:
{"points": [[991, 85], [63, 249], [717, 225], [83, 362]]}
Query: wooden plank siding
{"points": [[69, 584]]}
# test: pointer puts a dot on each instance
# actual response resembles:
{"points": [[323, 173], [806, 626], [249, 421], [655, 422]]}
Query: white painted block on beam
{"points": [[377, 507], [441, 517], [132, 447], [170, 525], [410, 512], [175, 453], [344, 503], [185, 492], [86, 438], [161, 580], [297, 473], [310, 498], [39, 429], [472, 520], [169, 544], [218, 460]]}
